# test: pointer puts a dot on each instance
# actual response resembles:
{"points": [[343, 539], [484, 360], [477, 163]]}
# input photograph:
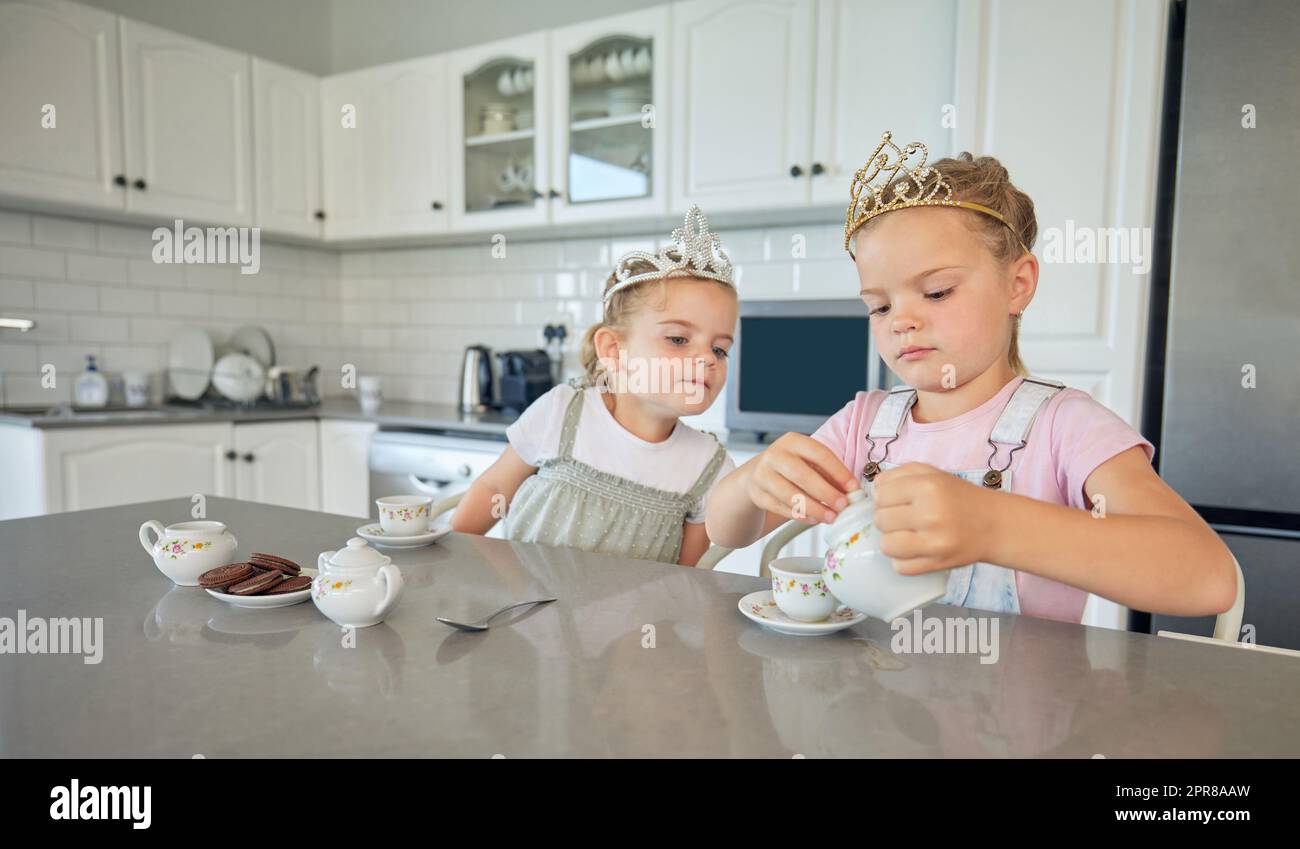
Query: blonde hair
{"points": [[986, 181], [624, 304]]}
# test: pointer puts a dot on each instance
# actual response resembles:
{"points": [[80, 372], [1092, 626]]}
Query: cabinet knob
{"points": [[465, 471], [140, 184], [119, 180], [320, 215], [248, 458], [437, 204], [796, 171], [554, 194], [537, 195], [818, 169], [232, 454]]}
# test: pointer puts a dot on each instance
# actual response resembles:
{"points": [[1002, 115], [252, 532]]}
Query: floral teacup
{"points": [[799, 589], [404, 515]]}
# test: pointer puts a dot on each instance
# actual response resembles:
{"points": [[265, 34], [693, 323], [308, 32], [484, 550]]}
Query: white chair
{"points": [[780, 538], [1227, 625]]}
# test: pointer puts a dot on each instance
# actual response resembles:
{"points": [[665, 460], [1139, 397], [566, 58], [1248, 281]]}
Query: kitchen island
{"points": [[634, 659]]}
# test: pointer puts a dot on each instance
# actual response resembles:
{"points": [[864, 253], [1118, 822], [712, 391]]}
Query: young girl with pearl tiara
{"points": [[604, 463], [1032, 494]]}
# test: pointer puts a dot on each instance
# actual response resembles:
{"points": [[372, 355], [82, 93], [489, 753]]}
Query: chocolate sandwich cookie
{"points": [[257, 583], [290, 585], [272, 561], [223, 576]]}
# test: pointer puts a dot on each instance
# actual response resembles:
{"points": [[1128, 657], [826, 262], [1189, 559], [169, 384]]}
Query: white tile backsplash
{"points": [[405, 314]]}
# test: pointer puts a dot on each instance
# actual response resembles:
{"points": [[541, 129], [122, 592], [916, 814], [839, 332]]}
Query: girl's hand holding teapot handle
{"points": [[930, 519]]}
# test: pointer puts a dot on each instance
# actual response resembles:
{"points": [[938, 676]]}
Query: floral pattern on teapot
{"points": [[834, 555]]}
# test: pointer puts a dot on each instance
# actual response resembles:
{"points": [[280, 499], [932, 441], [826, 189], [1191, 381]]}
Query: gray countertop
{"points": [[390, 414], [184, 674]]}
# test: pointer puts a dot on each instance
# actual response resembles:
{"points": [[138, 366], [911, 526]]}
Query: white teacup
{"points": [[799, 590], [404, 515]]}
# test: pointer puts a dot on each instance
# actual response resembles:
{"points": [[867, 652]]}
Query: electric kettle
{"points": [[477, 381]]}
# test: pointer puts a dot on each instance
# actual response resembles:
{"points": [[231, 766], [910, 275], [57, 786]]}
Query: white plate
{"points": [[189, 362], [239, 377], [255, 342], [265, 602], [759, 607], [374, 533]]}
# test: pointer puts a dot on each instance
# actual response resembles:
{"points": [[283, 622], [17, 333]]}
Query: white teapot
{"points": [[863, 577], [356, 586], [186, 550]]}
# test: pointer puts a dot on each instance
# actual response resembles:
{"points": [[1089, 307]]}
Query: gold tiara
{"points": [[699, 254], [866, 200]]}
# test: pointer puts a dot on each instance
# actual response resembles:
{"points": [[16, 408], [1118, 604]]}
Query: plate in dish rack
{"points": [[759, 607]]}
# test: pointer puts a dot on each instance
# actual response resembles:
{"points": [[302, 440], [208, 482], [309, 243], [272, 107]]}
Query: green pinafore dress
{"points": [[570, 503]]}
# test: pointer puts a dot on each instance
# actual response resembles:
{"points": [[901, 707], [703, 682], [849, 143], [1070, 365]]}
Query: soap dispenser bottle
{"points": [[91, 388]]}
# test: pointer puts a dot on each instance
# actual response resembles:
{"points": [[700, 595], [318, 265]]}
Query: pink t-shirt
{"points": [[1072, 436]]}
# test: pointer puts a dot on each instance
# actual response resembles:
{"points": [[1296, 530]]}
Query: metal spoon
{"points": [[482, 624]]}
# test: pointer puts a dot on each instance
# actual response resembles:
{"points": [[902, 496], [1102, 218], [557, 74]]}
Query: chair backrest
{"points": [[446, 505], [1227, 625]]}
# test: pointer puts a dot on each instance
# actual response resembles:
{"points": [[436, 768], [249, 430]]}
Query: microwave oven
{"points": [[794, 364]]}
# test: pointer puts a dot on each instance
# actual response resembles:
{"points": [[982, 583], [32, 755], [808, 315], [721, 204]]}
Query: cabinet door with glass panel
{"points": [[610, 135], [500, 134]]}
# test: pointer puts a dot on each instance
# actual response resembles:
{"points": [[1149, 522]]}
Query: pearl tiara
{"points": [[866, 200], [699, 254]]}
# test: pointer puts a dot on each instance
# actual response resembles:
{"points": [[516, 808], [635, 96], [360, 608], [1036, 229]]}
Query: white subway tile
{"points": [[146, 358], [17, 358], [234, 306], [66, 296], [50, 327], [376, 337], [262, 283], [104, 269], [132, 242], [212, 277], [31, 262], [31, 390], [146, 272], [285, 309], [468, 257], [188, 305], [745, 245], [68, 360], [356, 263], [320, 261], [765, 280], [15, 227], [579, 253], [98, 328], [127, 300], [68, 233], [153, 331], [17, 293], [828, 278], [300, 285]]}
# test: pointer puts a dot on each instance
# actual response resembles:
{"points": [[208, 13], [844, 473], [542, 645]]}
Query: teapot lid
{"points": [[358, 554], [861, 508]]}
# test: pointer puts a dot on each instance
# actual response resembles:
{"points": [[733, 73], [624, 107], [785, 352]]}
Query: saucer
{"points": [[374, 533], [266, 602], [760, 608]]}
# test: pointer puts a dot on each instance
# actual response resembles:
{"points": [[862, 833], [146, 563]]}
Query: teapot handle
{"points": [[157, 528], [393, 588]]}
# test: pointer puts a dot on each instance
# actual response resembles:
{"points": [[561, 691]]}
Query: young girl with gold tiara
{"points": [[1032, 494]]}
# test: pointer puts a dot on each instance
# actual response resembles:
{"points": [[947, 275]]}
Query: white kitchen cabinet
{"points": [[911, 94], [84, 468], [278, 463], [500, 116], [344, 467], [742, 103], [59, 94], [385, 139], [286, 149], [610, 134], [186, 117]]}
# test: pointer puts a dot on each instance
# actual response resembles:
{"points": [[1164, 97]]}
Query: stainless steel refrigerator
{"points": [[1223, 370]]}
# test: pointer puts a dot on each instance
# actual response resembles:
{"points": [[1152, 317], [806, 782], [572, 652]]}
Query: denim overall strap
{"points": [[983, 586]]}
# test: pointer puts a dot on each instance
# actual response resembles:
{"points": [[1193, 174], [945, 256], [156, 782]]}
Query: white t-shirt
{"points": [[673, 465]]}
